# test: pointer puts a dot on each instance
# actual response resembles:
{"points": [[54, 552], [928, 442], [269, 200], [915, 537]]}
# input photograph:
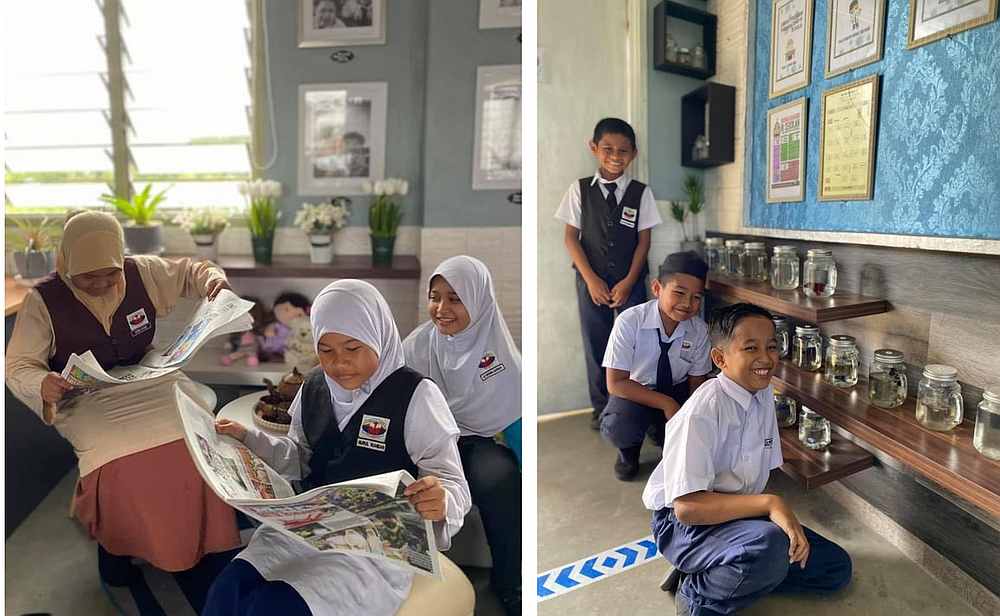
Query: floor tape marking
{"points": [[596, 567]]}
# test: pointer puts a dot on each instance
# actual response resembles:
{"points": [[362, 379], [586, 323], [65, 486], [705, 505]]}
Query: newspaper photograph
{"points": [[366, 517]]}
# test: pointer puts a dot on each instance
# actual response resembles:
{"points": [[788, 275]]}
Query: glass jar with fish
{"points": [[887, 380], [841, 361], [819, 273], [807, 348], [939, 398]]}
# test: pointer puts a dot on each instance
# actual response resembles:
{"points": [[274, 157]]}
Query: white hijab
{"points": [[459, 363], [355, 308]]}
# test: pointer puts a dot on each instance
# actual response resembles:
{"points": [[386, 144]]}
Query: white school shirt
{"points": [[633, 347], [341, 583], [570, 207], [724, 439]]}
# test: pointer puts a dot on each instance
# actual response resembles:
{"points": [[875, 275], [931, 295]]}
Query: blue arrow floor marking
{"points": [[596, 567]]}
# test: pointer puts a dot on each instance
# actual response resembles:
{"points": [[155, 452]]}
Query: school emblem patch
{"points": [[373, 432], [137, 321], [490, 366], [686, 344], [768, 442], [629, 214], [487, 361]]}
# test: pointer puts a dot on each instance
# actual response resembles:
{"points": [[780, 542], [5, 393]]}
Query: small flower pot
{"points": [[382, 250], [320, 248], [143, 239], [262, 248], [34, 263], [206, 247]]}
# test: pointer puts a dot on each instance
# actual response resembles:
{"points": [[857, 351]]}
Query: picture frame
{"points": [[787, 143], [791, 46], [496, 159], [932, 20], [855, 35], [342, 131], [341, 23], [499, 14], [848, 135]]}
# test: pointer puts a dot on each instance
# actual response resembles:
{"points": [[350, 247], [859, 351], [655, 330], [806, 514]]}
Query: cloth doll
{"points": [[274, 336]]}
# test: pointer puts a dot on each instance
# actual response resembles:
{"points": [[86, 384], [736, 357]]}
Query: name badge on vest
{"points": [[490, 367], [373, 432], [628, 217], [768, 443], [138, 322]]}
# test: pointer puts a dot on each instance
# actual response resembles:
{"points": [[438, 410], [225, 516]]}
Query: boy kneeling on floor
{"points": [[731, 544]]}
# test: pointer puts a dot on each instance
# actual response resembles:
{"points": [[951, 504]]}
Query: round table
{"points": [[241, 410]]}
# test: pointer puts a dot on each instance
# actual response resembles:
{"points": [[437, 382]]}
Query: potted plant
{"points": [[262, 216], [680, 212], [37, 258], [384, 217], [319, 222], [142, 234], [204, 225]]}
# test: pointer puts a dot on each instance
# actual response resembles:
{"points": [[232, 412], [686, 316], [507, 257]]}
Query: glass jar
{"points": [[819, 273], [807, 348], [987, 435], [841, 361], [783, 334], [939, 398], [814, 429], [785, 268], [785, 410], [671, 49], [714, 249], [753, 261], [683, 56], [734, 248], [698, 56], [887, 379]]}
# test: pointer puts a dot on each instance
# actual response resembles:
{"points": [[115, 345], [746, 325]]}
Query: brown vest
{"points": [[77, 330]]}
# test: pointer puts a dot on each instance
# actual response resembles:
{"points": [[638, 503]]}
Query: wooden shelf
{"points": [[795, 303], [668, 11], [343, 266], [709, 111], [813, 468], [946, 458]]}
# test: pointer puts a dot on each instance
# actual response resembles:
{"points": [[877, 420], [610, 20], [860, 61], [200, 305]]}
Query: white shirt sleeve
{"points": [[702, 363], [569, 208], [620, 352], [688, 455], [288, 455], [649, 215]]}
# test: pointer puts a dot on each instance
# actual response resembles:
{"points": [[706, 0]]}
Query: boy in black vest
{"points": [[609, 217]]}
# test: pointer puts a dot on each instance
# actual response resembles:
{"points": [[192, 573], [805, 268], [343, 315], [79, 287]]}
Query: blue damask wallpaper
{"points": [[937, 165]]}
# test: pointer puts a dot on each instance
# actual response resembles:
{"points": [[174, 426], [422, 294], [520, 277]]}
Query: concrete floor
{"points": [[583, 510]]}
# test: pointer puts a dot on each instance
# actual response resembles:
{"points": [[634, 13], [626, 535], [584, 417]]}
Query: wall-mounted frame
{"points": [[848, 129], [499, 14], [931, 20], [791, 45], [786, 151], [496, 159], [341, 23], [341, 136], [854, 34]]}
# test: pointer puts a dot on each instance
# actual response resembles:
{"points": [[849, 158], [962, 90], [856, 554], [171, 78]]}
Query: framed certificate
{"points": [[931, 20], [848, 125], [791, 45], [786, 151], [855, 31]]}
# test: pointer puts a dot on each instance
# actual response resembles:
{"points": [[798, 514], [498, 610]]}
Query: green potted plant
{"points": [[384, 217], [262, 216], [319, 222], [142, 234], [204, 225], [36, 258], [688, 213]]}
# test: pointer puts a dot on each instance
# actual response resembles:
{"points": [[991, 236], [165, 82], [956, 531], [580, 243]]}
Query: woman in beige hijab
{"points": [[139, 494]]}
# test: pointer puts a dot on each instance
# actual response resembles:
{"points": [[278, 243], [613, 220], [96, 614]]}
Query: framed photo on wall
{"points": [[791, 45], [848, 129], [499, 14], [855, 31], [786, 151], [339, 23], [341, 136], [497, 154], [931, 20]]}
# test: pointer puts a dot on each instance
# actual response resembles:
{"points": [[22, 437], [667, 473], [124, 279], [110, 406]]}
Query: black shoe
{"points": [[672, 584], [627, 464], [595, 421], [116, 570]]}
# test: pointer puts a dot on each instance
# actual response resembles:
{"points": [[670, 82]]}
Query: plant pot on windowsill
{"points": [[143, 239], [263, 246], [206, 246], [34, 263], [320, 248], [383, 248]]}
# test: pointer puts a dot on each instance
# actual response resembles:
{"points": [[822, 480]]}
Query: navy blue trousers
{"points": [[624, 423], [595, 325], [729, 566], [241, 590]]}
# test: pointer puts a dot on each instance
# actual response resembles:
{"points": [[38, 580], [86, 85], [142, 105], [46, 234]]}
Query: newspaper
{"points": [[365, 517], [226, 314]]}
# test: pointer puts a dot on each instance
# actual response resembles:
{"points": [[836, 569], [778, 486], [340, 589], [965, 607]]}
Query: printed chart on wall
{"points": [[786, 151], [848, 127]]}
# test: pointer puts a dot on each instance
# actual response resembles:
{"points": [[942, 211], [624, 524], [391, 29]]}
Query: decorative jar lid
{"points": [[713, 241], [889, 356], [940, 372], [806, 330], [733, 243], [777, 318], [754, 245], [842, 340], [785, 249], [992, 393], [817, 252]]}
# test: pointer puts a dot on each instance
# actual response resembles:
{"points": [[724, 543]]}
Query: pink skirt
{"points": [[155, 506]]}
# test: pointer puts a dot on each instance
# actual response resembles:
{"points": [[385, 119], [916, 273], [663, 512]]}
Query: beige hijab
{"points": [[93, 241]]}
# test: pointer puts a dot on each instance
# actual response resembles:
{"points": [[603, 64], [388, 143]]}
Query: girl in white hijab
{"points": [[468, 351], [359, 350]]}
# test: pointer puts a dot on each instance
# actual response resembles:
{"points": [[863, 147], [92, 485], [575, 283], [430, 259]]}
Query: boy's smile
{"points": [[679, 299], [750, 356], [614, 153]]}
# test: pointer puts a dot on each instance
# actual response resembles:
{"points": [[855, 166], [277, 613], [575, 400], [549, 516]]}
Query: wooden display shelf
{"points": [[795, 303], [299, 266], [813, 468], [946, 458]]}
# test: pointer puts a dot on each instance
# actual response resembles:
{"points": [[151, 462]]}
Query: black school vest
{"points": [[366, 447], [77, 330], [609, 240]]}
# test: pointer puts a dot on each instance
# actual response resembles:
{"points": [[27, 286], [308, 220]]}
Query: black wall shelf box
{"points": [[712, 105], [663, 14]]}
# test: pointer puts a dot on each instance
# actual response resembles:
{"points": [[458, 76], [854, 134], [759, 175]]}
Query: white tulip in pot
{"points": [[37, 257], [319, 222], [143, 235]]}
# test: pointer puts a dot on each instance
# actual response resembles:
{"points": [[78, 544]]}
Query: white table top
{"points": [[241, 410]]}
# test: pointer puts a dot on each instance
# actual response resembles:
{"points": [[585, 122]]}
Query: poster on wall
{"points": [[499, 14], [855, 30], [338, 23], [497, 154], [848, 126], [931, 20], [791, 45], [786, 151], [341, 137]]}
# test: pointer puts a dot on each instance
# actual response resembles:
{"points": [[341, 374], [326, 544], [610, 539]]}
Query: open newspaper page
{"points": [[365, 517]]}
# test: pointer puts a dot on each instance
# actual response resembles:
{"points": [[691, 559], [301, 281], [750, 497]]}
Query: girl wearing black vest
{"points": [[361, 374]]}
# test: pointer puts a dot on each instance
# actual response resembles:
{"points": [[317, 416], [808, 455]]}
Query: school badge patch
{"points": [[768, 443], [686, 344], [629, 215], [373, 431], [490, 366], [138, 322]]}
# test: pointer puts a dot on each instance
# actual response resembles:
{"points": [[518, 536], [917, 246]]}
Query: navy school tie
{"points": [[664, 375], [612, 188]]}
